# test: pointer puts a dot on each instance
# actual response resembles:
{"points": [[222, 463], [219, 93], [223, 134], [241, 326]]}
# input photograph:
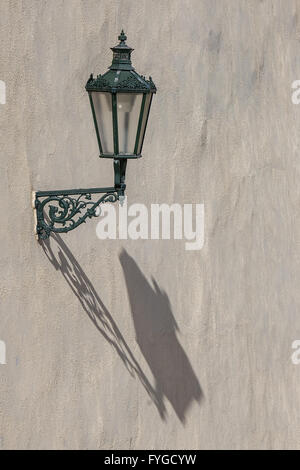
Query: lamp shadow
{"points": [[63, 260], [156, 329]]}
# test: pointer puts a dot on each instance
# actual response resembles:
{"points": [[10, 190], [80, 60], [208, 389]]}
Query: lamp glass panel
{"points": [[144, 121], [128, 109], [103, 109]]}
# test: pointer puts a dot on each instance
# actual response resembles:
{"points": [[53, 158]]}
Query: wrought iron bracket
{"points": [[64, 210]]}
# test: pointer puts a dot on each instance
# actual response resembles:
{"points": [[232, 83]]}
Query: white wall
{"points": [[94, 359]]}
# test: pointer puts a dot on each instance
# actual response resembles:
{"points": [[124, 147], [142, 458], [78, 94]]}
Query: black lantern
{"points": [[120, 101]]}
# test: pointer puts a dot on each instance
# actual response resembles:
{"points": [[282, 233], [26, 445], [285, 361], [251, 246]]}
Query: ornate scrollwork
{"points": [[131, 83], [68, 212], [151, 83], [128, 81], [95, 83]]}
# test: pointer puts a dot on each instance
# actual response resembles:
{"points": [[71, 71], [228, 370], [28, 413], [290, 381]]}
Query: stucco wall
{"points": [[94, 357]]}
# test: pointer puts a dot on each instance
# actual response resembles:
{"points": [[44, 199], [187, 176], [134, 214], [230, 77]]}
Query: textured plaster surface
{"points": [[141, 344]]}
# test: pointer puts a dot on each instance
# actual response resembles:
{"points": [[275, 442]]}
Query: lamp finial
{"points": [[122, 38]]}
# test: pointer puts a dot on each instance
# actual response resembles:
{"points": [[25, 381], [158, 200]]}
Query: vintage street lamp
{"points": [[120, 102]]}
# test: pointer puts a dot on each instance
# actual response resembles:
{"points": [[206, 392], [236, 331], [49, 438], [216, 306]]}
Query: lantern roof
{"points": [[121, 76]]}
